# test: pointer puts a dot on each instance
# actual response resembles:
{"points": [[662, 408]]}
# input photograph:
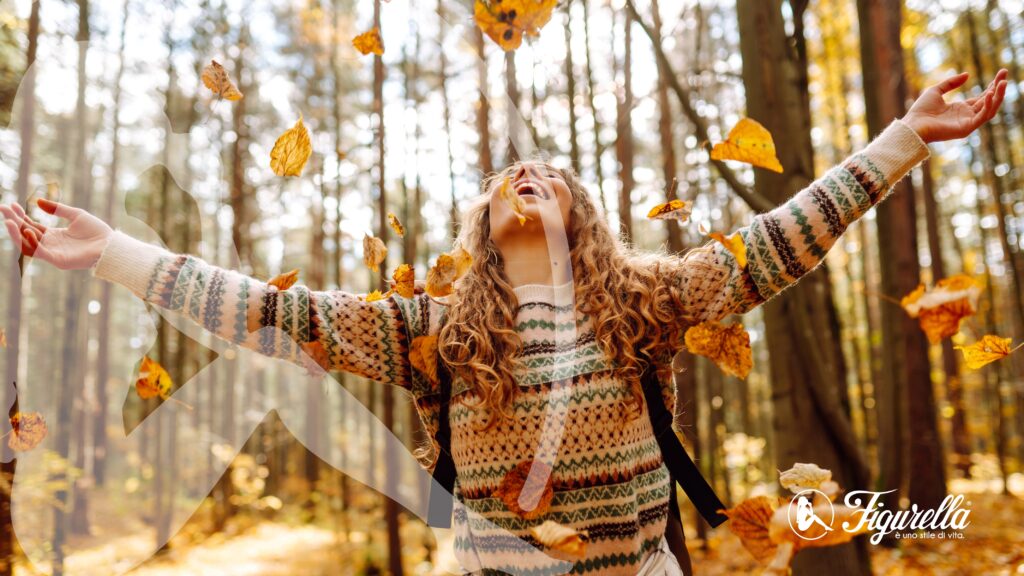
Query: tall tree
{"points": [[805, 377], [624, 132], [903, 425]]}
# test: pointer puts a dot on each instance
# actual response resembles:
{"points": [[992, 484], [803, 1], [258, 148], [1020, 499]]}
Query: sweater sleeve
{"points": [[788, 242], [337, 330]]}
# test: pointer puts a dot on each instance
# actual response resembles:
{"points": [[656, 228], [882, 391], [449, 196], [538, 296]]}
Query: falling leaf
{"points": [[726, 346], [376, 295], [941, 310], [374, 252], [441, 276], [505, 21], [518, 484], [734, 244], [27, 430], [396, 225], [291, 151], [215, 77], [987, 350], [423, 356], [749, 521], [560, 538], [804, 477], [285, 280], [463, 261], [674, 210], [153, 380], [368, 42], [514, 201], [748, 142], [404, 281]]}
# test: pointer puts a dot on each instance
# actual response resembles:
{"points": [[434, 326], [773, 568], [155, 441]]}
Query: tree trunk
{"points": [[483, 113], [810, 424], [624, 134], [598, 146]]}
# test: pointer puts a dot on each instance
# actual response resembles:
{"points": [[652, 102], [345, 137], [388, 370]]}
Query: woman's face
{"points": [[542, 190]]}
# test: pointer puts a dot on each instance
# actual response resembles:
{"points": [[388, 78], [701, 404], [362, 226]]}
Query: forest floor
{"points": [[993, 544]]}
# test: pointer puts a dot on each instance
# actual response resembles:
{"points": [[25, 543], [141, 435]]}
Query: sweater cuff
{"points": [[129, 262], [896, 151]]}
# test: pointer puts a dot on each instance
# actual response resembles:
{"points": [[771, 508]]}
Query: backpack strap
{"points": [[680, 467], [439, 507]]}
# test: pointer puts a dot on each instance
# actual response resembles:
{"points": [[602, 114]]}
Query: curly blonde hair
{"points": [[634, 309]]}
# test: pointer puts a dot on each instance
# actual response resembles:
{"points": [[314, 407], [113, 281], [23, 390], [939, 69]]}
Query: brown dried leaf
{"points": [[560, 538], [285, 280], [727, 346], [374, 252], [404, 281], [396, 224], [27, 430], [423, 356], [749, 520], [517, 482], [673, 210], [215, 77]]}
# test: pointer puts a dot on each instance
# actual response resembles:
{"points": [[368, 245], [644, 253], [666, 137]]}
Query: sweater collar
{"points": [[544, 293]]}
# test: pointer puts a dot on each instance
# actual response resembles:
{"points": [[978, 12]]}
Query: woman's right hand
{"points": [[75, 247]]}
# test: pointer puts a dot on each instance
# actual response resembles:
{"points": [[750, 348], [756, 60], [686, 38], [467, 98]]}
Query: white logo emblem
{"points": [[806, 516]]}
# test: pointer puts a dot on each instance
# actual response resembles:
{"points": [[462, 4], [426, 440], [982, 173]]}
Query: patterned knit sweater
{"points": [[606, 469]]}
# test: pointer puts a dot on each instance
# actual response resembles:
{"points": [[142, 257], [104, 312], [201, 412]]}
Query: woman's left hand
{"points": [[936, 120]]}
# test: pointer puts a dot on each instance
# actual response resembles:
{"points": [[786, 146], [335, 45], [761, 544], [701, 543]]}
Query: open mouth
{"points": [[527, 189]]}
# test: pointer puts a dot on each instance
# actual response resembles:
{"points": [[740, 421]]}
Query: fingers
{"points": [[58, 209], [28, 219], [15, 234], [952, 83]]}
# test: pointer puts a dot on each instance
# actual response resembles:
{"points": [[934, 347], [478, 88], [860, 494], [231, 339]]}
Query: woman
{"points": [[504, 337]]}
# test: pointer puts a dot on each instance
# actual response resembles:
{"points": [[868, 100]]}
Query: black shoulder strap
{"points": [[439, 508], [680, 467]]}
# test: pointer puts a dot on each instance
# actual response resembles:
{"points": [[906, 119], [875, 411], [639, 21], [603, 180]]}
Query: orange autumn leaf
{"points": [[941, 310], [404, 281], [369, 42], [749, 142], [518, 484], [560, 538], [291, 151], [734, 244], [727, 346], [423, 356], [506, 21], [750, 520], [673, 210], [463, 261], [507, 194], [215, 77], [987, 350], [396, 225], [441, 276], [374, 252], [285, 280], [153, 380], [27, 430]]}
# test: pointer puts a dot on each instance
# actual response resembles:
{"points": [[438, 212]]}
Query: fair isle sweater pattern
{"points": [[607, 474]]}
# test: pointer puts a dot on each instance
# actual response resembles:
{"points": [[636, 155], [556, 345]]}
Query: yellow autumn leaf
{"points": [[396, 224], [423, 356], [987, 350], [285, 280], [734, 244], [27, 430], [291, 151], [463, 261], [376, 295], [215, 77], [153, 380], [727, 346], [673, 210], [750, 520], [561, 538], [507, 194], [941, 310], [374, 252], [749, 142], [506, 21], [369, 42], [404, 281], [441, 276]]}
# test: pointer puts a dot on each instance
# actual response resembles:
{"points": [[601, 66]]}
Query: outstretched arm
{"points": [[788, 242], [337, 330]]}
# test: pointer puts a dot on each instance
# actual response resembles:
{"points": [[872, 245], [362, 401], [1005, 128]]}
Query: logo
{"points": [[812, 515], [806, 516]]}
